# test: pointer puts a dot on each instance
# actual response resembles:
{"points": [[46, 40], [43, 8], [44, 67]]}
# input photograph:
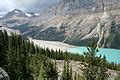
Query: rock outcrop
{"points": [[103, 31]]}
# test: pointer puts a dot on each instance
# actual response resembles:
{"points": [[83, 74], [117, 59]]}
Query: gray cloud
{"points": [[25, 5]]}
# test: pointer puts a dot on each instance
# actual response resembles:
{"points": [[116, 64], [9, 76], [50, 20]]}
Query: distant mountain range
{"points": [[16, 18], [71, 21]]}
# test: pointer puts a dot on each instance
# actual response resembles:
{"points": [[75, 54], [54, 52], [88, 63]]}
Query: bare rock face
{"points": [[75, 22], [3, 75], [103, 30]]}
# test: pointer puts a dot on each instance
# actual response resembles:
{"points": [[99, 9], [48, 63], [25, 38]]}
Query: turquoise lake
{"points": [[112, 55]]}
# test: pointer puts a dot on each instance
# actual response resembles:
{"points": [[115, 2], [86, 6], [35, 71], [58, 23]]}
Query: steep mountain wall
{"points": [[76, 22]]}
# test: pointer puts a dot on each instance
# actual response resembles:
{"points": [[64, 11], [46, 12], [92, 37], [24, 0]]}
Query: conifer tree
{"points": [[35, 65], [67, 72], [75, 76], [70, 74], [50, 70], [93, 72], [2, 54], [90, 56]]}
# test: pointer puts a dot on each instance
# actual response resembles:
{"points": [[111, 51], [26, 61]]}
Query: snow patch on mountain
{"points": [[1, 16], [30, 14], [16, 11]]}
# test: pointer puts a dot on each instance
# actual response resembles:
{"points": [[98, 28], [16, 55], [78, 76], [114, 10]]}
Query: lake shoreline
{"points": [[54, 45], [112, 55]]}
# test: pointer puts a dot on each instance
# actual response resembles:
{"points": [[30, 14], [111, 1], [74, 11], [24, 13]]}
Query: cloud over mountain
{"points": [[25, 5]]}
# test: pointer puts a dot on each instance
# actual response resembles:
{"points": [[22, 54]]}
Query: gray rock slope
{"points": [[75, 22]]}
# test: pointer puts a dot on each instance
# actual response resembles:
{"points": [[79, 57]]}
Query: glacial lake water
{"points": [[112, 55]]}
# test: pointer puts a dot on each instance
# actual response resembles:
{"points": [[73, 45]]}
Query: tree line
{"points": [[23, 60]]}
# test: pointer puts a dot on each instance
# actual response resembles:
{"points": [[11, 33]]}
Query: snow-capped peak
{"points": [[17, 11], [14, 13]]}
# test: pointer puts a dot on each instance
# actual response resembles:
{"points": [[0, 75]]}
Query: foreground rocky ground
{"points": [[77, 66]]}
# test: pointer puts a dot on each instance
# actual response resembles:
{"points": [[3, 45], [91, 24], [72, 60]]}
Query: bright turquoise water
{"points": [[112, 55]]}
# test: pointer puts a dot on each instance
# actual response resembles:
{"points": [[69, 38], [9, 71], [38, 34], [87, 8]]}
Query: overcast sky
{"points": [[25, 5]]}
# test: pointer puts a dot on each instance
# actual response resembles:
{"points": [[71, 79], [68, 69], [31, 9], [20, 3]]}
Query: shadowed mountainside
{"points": [[74, 22]]}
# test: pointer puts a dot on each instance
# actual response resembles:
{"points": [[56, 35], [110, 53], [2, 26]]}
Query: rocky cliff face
{"points": [[103, 30], [77, 22]]}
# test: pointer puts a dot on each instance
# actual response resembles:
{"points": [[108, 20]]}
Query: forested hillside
{"points": [[22, 60]]}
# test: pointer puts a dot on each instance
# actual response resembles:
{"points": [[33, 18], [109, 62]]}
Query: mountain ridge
{"points": [[71, 23]]}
